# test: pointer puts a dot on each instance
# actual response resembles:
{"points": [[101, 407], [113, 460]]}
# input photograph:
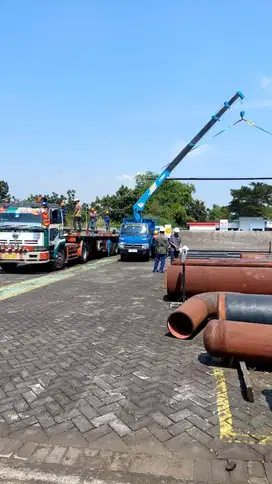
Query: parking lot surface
{"points": [[88, 369]]}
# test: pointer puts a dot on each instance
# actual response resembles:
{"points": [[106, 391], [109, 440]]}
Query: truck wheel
{"points": [[59, 261], [9, 268], [85, 254]]}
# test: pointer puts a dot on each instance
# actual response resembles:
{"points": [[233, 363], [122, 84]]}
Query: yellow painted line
{"points": [[227, 431], [13, 290]]}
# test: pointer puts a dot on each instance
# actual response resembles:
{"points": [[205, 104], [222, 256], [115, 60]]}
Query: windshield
{"points": [[134, 229], [19, 216]]}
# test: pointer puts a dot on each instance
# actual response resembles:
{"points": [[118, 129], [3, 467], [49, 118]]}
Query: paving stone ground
{"points": [[89, 376]]}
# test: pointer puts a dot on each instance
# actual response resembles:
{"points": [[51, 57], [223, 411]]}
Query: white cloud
{"points": [[196, 152], [128, 177], [125, 177], [266, 82]]}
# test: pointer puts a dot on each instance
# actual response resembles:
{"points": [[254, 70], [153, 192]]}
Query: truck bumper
{"points": [[24, 258], [134, 252]]}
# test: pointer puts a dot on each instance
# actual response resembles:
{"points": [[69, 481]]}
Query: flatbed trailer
{"points": [[97, 242], [31, 234]]}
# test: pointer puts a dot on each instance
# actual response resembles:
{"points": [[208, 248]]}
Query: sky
{"points": [[94, 91]]}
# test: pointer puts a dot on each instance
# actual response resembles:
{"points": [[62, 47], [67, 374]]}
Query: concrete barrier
{"points": [[232, 240]]}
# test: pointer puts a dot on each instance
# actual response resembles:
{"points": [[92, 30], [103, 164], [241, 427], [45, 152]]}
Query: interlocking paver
{"points": [[56, 455], [59, 428], [162, 419], [96, 369], [26, 450], [181, 415], [219, 473], [82, 424]]}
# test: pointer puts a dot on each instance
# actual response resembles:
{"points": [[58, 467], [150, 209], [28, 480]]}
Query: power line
{"points": [[216, 179]]}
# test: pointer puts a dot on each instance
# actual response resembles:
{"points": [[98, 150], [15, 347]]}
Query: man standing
{"points": [[161, 248], [93, 216], [77, 215], [109, 247], [64, 212], [175, 244], [107, 220]]}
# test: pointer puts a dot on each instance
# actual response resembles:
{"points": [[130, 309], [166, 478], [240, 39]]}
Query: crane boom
{"points": [[139, 206]]}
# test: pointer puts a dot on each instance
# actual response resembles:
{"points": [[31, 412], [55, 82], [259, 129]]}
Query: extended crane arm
{"points": [[140, 204]]}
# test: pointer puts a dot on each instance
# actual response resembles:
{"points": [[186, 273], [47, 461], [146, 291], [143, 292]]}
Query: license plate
{"points": [[133, 250], [10, 256]]}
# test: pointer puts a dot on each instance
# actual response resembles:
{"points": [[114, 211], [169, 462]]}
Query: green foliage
{"points": [[217, 213], [173, 203], [197, 211], [4, 191], [254, 200]]}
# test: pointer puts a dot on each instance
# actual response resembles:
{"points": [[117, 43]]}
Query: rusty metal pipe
{"points": [[243, 262], [253, 308], [252, 255], [183, 322], [243, 341], [200, 279]]}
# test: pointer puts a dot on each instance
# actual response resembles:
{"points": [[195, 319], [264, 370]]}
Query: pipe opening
{"points": [[180, 325]]}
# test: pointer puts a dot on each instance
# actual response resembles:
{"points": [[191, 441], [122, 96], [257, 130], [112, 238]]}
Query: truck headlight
{"points": [[121, 245], [145, 246]]}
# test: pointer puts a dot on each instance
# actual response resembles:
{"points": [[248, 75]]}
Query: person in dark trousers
{"points": [[175, 244], [109, 247], [161, 249], [77, 215], [64, 212], [93, 218], [107, 220]]}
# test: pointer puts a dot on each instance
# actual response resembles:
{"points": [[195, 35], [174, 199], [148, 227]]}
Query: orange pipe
{"points": [[242, 340], [200, 279], [243, 262], [183, 322], [252, 255]]}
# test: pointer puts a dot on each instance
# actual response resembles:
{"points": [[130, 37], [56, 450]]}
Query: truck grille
{"points": [[133, 246], [14, 242], [18, 242]]}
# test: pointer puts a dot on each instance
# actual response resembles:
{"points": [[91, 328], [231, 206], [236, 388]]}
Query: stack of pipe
{"points": [[250, 275], [242, 328]]}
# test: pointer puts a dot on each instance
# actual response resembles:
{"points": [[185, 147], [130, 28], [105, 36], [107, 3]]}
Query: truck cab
{"points": [[30, 234], [136, 238]]}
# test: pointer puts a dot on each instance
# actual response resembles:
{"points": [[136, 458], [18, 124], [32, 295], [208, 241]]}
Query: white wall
{"points": [[202, 228], [250, 223]]}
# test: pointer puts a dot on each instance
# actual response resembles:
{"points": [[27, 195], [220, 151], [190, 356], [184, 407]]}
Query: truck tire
{"points": [[85, 254], [9, 268], [148, 256], [59, 262]]}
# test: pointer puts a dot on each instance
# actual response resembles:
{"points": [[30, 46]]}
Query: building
{"points": [[241, 224], [200, 226]]}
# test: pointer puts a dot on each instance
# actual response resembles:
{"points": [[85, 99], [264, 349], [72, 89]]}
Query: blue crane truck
{"points": [[136, 235], [136, 238]]}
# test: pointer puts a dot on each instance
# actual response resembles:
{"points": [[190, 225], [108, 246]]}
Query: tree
{"points": [[4, 191], [197, 210], [254, 200], [217, 213], [170, 204], [119, 205]]}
